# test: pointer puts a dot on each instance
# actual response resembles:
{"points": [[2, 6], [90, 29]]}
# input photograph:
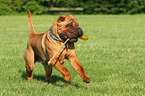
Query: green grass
{"points": [[113, 57]]}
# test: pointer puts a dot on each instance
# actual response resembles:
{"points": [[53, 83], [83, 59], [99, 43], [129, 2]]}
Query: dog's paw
{"points": [[87, 80], [67, 77], [30, 78]]}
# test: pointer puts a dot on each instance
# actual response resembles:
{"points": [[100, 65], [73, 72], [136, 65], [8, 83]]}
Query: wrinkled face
{"points": [[68, 27]]}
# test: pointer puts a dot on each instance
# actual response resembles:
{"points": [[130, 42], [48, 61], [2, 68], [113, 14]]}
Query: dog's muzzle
{"points": [[65, 37], [78, 33]]}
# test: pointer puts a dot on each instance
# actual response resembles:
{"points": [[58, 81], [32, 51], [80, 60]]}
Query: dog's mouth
{"points": [[65, 37], [73, 40]]}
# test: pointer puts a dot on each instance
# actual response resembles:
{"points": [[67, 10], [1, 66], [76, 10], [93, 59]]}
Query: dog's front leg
{"points": [[78, 67], [62, 69]]}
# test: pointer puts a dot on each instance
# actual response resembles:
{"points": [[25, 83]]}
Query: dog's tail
{"points": [[30, 24]]}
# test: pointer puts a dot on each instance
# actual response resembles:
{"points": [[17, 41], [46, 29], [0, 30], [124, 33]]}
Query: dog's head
{"points": [[68, 27]]}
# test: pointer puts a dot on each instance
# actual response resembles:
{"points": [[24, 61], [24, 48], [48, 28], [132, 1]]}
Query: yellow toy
{"points": [[84, 37]]}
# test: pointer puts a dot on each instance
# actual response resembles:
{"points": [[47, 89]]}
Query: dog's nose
{"points": [[79, 32]]}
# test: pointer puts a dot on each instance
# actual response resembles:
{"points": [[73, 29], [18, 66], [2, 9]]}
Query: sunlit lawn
{"points": [[113, 57]]}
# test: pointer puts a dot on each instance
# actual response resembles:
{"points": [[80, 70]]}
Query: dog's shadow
{"points": [[54, 79]]}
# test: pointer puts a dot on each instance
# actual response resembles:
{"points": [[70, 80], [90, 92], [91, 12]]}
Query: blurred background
{"points": [[38, 7]]}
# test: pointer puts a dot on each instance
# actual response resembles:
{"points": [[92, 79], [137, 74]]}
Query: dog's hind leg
{"points": [[29, 59], [48, 70]]}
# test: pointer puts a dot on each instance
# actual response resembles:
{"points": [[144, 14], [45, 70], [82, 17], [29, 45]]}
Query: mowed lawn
{"points": [[113, 57]]}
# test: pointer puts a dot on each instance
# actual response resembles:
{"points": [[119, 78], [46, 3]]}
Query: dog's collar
{"points": [[51, 34]]}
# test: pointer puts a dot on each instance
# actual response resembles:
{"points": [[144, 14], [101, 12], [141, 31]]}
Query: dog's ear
{"points": [[61, 18]]}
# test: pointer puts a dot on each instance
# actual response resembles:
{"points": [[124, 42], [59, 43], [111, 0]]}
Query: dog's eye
{"points": [[69, 25]]}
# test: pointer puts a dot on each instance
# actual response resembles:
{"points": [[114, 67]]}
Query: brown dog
{"points": [[42, 47]]}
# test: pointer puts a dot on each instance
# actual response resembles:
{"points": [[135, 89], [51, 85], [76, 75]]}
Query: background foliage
{"points": [[89, 6]]}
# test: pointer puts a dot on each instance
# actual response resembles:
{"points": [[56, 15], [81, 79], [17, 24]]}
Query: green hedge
{"points": [[89, 6], [113, 6], [5, 9]]}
